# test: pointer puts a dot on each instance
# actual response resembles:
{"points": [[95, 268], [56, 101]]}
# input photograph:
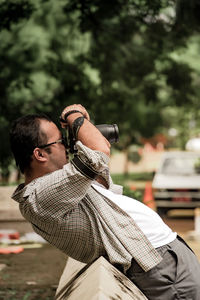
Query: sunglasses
{"points": [[63, 141]]}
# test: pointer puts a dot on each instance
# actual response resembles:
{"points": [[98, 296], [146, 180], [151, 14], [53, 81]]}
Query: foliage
{"points": [[118, 58], [13, 11], [138, 77], [122, 179], [136, 194]]}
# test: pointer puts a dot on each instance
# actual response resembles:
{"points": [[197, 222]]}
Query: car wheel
{"points": [[162, 211]]}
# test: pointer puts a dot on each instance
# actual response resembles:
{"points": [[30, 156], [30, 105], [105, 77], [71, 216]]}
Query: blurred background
{"points": [[132, 63]]}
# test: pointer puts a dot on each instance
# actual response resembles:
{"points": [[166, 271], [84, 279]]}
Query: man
{"points": [[76, 207]]}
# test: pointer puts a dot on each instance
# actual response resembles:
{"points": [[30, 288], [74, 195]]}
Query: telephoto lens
{"points": [[110, 132]]}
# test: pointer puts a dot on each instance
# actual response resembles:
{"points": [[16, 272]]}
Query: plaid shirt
{"points": [[70, 214]]}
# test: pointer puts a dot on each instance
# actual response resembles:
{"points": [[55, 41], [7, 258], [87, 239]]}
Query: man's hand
{"points": [[74, 107]]}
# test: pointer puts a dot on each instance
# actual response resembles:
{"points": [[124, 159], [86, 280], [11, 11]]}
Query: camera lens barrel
{"points": [[110, 132]]}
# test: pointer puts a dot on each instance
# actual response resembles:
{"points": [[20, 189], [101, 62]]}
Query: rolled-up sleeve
{"points": [[97, 160]]}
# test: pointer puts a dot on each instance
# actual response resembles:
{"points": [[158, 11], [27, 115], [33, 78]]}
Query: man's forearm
{"points": [[88, 134]]}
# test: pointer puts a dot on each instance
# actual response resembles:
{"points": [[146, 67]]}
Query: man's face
{"points": [[57, 157]]}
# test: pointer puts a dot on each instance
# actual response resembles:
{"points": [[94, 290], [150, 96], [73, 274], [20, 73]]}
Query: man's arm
{"points": [[88, 134]]}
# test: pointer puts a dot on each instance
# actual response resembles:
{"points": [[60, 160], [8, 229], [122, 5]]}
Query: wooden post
{"points": [[98, 281]]}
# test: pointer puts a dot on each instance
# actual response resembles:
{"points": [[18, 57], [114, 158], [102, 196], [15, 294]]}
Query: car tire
{"points": [[162, 211]]}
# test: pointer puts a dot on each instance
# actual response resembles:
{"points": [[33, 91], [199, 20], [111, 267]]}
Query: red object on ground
{"points": [[8, 250], [148, 198], [9, 234]]}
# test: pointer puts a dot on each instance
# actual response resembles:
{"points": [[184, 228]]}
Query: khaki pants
{"points": [[177, 276]]}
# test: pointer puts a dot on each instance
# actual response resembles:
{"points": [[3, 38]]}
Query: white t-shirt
{"points": [[156, 231]]}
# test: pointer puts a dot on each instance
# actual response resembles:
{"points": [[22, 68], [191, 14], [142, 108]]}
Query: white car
{"points": [[176, 183]]}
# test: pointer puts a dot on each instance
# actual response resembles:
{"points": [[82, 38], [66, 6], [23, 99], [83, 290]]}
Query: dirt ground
{"points": [[32, 274]]}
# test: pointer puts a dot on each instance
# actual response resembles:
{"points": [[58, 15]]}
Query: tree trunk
{"points": [[126, 163]]}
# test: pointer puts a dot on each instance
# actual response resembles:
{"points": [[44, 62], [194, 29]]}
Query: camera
{"points": [[110, 132]]}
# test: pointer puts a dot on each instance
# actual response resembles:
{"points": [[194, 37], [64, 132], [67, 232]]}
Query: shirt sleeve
{"points": [[99, 162]]}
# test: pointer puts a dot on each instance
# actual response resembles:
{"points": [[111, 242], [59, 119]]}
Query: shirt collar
{"points": [[23, 191]]}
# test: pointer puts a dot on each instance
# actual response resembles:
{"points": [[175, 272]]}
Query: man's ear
{"points": [[40, 154]]}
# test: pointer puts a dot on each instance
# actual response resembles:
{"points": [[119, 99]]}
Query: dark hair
{"points": [[25, 136]]}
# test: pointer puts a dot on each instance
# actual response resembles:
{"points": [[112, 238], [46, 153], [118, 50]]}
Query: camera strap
{"points": [[83, 168], [76, 125]]}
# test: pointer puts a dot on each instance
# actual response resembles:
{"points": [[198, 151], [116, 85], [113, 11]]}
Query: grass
{"points": [[23, 294], [122, 179]]}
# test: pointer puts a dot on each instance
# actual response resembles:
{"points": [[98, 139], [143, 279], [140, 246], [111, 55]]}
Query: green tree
{"points": [[138, 77], [115, 57], [39, 68]]}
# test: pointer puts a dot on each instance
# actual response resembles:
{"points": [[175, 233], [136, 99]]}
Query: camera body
{"points": [[110, 132]]}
